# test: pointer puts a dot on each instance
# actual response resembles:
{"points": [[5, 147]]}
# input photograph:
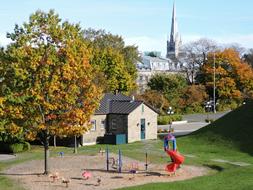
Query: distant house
{"points": [[121, 115]]}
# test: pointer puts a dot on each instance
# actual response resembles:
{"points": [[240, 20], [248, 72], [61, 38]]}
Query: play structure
{"points": [[117, 164], [176, 158]]}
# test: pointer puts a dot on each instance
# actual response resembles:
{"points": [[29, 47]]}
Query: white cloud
{"points": [[3, 40], [244, 40], [146, 43]]}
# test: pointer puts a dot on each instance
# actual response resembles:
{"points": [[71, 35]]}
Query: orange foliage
{"points": [[234, 78]]}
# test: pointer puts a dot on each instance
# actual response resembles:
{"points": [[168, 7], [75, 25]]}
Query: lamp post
{"points": [[170, 112], [208, 106], [214, 85]]}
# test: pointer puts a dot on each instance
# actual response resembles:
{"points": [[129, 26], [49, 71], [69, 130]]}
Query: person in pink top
{"points": [[168, 138]]}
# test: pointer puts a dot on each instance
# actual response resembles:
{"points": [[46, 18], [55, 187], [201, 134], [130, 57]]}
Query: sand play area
{"points": [[71, 169]]}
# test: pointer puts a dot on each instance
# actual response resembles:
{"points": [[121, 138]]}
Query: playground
{"points": [[104, 170], [73, 167]]}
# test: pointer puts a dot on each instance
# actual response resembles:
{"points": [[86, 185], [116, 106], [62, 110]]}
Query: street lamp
{"points": [[214, 85], [208, 106], [170, 112]]}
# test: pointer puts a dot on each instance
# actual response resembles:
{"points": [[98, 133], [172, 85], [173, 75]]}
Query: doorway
{"points": [[143, 129]]}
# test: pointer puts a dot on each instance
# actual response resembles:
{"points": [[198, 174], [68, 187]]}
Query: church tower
{"points": [[174, 43]]}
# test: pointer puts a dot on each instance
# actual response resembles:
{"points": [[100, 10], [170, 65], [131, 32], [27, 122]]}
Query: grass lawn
{"points": [[229, 138]]}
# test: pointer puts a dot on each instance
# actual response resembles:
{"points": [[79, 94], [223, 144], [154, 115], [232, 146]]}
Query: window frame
{"points": [[94, 125]]}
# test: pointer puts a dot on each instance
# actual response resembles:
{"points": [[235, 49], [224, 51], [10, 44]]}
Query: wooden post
{"points": [[107, 158], [120, 161], [146, 164], [54, 141], [75, 150]]}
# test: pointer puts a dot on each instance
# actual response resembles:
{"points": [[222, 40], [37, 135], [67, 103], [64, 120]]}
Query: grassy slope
{"points": [[229, 138], [234, 129]]}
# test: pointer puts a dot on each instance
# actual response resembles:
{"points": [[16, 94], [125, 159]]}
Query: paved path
{"points": [[185, 128], [6, 157], [233, 163], [204, 116]]}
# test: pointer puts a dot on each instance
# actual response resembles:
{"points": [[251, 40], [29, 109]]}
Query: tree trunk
{"points": [[46, 156], [54, 141], [75, 150]]}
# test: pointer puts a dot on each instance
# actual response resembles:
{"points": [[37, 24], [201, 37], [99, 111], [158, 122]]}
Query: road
{"points": [[195, 122], [184, 129], [204, 116]]}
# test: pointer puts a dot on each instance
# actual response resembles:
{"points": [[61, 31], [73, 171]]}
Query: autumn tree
{"points": [[114, 61], [47, 87], [193, 98], [155, 99], [9, 131], [234, 78]]}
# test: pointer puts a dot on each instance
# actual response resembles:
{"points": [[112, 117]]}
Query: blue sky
{"points": [[145, 23]]}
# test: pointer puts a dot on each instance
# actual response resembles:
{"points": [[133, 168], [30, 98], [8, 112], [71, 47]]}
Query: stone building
{"points": [[121, 115], [152, 62]]}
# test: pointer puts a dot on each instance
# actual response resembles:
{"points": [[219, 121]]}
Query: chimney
{"points": [[132, 99]]}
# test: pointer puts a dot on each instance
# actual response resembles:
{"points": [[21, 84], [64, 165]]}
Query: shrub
{"points": [[16, 147], [27, 146], [167, 119], [165, 130], [159, 131], [209, 120], [163, 120]]}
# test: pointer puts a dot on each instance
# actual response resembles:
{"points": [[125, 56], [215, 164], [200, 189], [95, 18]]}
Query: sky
{"points": [[144, 23]]}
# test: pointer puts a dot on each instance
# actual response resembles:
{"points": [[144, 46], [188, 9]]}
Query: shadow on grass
{"points": [[147, 173], [234, 129], [214, 167]]}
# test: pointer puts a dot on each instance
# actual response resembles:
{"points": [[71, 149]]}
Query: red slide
{"points": [[177, 160]]}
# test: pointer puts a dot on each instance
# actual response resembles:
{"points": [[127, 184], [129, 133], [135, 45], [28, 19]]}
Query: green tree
{"points": [[113, 60], [47, 85], [170, 85]]}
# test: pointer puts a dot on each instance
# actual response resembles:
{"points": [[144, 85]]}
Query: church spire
{"points": [[173, 24], [175, 41]]}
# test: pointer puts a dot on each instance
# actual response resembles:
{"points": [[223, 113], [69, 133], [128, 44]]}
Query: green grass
{"points": [[229, 138], [232, 179]]}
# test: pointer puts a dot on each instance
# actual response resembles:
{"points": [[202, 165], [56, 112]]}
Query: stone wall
{"points": [[117, 123], [91, 136], [134, 123]]}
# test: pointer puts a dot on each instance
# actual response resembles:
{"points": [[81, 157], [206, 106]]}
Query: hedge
{"points": [[15, 147], [167, 119]]}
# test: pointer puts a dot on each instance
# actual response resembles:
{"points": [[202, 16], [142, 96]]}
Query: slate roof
{"points": [[123, 107], [118, 104], [108, 97]]}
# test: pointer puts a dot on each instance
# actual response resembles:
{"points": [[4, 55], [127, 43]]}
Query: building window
{"points": [[141, 78], [114, 124], [102, 125], [93, 125], [142, 108]]}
